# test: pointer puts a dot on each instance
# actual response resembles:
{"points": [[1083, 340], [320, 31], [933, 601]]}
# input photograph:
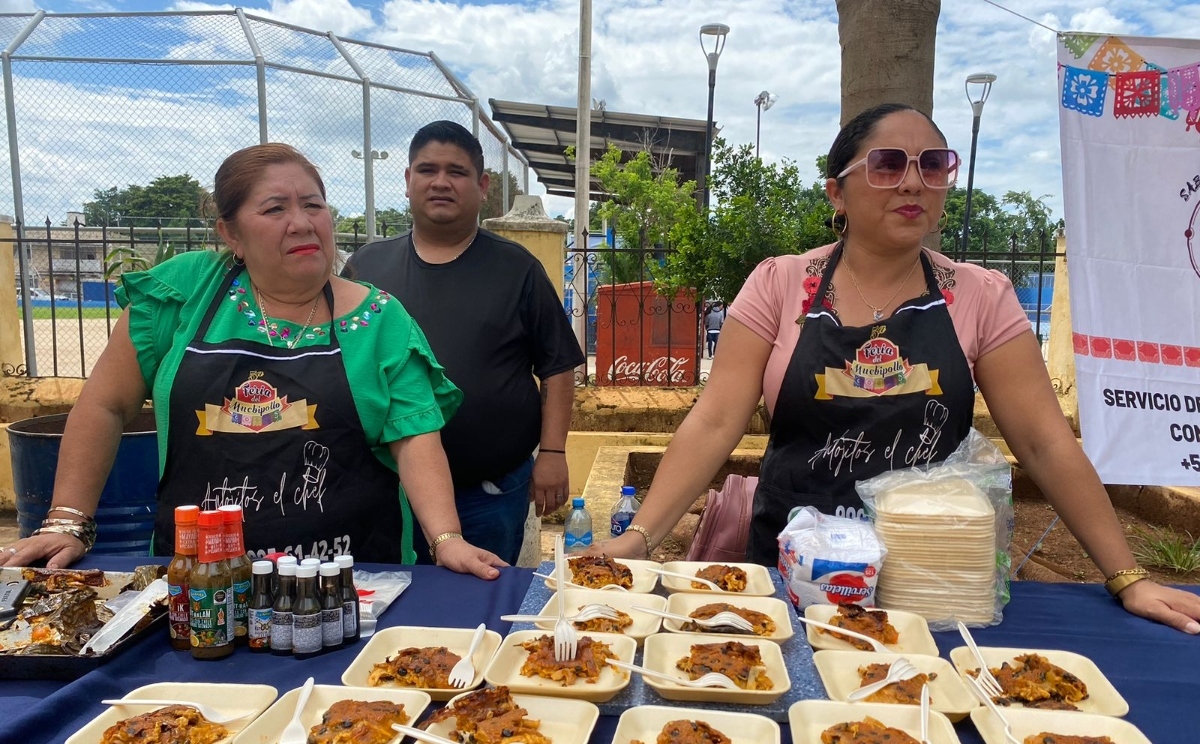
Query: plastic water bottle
{"points": [[578, 537], [622, 513]]}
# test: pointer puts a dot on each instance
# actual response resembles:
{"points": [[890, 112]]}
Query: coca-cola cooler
{"points": [[645, 338]]}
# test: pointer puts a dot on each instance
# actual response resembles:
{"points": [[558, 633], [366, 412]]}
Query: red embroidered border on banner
{"points": [[1148, 352]]}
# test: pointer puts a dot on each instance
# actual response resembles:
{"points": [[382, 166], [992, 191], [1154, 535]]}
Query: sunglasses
{"points": [[888, 166]]}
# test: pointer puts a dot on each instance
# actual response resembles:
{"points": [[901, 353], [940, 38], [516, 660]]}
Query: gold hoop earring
{"points": [[238, 260], [839, 227], [944, 222]]}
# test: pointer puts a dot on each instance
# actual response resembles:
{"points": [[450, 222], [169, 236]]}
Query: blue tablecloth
{"points": [[1157, 669]]}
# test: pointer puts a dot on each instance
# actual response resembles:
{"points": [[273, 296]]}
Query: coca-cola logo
{"points": [[845, 588], [660, 371]]}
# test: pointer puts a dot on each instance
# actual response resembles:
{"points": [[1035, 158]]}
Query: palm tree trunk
{"points": [[887, 53]]}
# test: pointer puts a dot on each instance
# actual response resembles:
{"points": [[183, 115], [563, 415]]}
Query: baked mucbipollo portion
{"points": [[872, 623], [416, 667], [598, 571], [729, 578], [358, 722], [590, 659], [866, 731], [688, 732], [607, 625], [174, 724], [762, 623], [489, 716], [738, 661], [1033, 681], [1044, 738], [904, 692]]}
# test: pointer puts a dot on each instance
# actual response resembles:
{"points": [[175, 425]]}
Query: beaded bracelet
{"points": [[645, 533]]}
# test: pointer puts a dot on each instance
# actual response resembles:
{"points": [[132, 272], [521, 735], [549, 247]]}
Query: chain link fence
{"points": [[96, 103]]}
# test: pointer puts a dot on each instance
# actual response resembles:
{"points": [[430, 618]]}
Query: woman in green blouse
{"points": [[277, 386]]}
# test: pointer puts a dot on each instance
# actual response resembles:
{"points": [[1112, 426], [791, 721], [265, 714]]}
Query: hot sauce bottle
{"points": [[306, 614], [178, 572], [331, 605], [350, 608], [239, 569], [285, 602], [258, 615], [208, 589]]}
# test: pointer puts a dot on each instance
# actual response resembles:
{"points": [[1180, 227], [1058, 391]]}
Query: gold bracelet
{"points": [[439, 540], [69, 510], [644, 533], [1122, 579]]}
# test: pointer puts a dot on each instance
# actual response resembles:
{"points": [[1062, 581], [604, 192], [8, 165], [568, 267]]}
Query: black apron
{"points": [[857, 402], [279, 435]]}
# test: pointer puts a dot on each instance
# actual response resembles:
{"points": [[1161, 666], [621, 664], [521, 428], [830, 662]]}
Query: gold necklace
{"points": [[877, 312], [295, 339], [461, 251]]}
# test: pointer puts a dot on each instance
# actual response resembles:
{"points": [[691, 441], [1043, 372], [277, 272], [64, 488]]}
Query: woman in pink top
{"points": [[868, 353]]}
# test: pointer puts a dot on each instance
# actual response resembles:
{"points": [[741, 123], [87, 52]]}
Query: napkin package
{"points": [[829, 560]]}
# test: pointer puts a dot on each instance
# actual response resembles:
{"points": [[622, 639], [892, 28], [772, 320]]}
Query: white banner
{"points": [[1129, 109]]}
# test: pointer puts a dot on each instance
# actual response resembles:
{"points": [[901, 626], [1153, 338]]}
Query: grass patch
{"points": [[1166, 548], [72, 313]]}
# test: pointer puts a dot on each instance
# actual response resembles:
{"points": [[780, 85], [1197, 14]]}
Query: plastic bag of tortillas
{"points": [[829, 560]]}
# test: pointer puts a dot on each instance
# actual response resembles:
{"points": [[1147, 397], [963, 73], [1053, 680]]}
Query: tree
{"points": [[646, 204], [394, 221], [1016, 222], [493, 201], [887, 53], [760, 210], [167, 201]]}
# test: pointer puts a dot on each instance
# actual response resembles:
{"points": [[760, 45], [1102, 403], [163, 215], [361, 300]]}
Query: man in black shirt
{"points": [[494, 321]]}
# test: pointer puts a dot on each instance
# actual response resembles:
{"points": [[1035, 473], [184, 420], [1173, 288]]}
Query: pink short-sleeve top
{"points": [[982, 305]]}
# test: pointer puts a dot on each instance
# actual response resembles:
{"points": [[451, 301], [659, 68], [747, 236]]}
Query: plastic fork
{"points": [[987, 681], [295, 732], [925, 714], [425, 736], [212, 714], [900, 670], [606, 587], [566, 643], [674, 574], [587, 612], [463, 673], [977, 687], [725, 619], [875, 645], [712, 679]]}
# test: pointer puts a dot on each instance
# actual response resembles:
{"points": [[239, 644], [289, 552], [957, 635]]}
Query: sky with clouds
{"points": [[646, 59]]}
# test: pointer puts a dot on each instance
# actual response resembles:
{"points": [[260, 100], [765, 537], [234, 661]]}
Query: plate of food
{"points": [[771, 618], [1056, 727], [357, 714], [418, 658], [843, 672], [649, 724], [830, 720], [131, 724], [755, 665], [525, 664], [901, 632], [494, 713], [599, 571], [1055, 680], [747, 579], [630, 622]]}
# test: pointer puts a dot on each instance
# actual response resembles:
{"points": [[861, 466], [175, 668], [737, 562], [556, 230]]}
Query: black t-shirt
{"points": [[494, 320]]}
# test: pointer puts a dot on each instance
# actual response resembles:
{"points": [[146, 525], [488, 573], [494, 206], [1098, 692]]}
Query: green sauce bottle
{"points": [[208, 588], [239, 569]]}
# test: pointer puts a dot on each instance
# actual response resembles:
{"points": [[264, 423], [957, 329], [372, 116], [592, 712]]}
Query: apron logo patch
{"points": [[256, 407], [877, 369]]}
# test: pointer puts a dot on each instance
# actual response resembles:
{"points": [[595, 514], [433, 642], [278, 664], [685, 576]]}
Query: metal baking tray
{"points": [[71, 666]]}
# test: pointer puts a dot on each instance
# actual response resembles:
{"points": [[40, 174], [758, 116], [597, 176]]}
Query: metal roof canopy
{"points": [[542, 133]]}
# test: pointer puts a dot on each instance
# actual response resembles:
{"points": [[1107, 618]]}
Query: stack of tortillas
{"points": [[941, 550]]}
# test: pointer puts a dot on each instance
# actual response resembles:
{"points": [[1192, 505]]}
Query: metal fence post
{"points": [[504, 178], [261, 67]]}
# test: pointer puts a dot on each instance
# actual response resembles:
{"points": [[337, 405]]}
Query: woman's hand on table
{"points": [[1173, 607], [463, 557], [629, 545], [59, 551]]}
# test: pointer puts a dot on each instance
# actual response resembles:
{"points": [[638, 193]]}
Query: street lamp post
{"points": [[763, 101], [983, 87], [369, 186], [718, 32]]}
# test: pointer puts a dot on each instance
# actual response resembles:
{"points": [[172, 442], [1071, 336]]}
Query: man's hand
{"points": [[551, 482], [462, 557]]}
